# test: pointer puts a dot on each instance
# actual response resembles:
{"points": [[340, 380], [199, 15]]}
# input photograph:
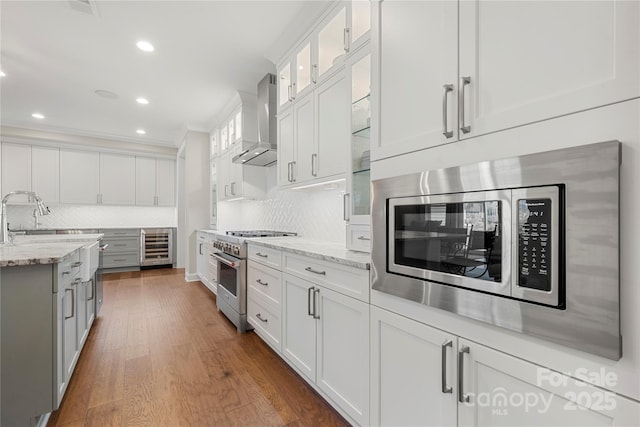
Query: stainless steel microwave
{"points": [[528, 243]]}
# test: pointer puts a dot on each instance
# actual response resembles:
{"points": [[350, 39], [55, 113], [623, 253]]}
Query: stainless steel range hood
{"points": [[264, 152]]}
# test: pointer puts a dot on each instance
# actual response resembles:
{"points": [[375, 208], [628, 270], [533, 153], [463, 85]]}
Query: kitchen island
{"points": [[47, 305]]}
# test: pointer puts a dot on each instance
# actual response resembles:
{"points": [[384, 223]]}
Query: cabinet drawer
{"points": [[265, 282], [121, 232], [67, 272], [120, 260], [359, 238], [345, 279], [213, 269], [266, 256], [266, 322], [121, 245]]}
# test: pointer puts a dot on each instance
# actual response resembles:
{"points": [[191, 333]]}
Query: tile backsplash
{"points": [[316, 214], [63, 216]]}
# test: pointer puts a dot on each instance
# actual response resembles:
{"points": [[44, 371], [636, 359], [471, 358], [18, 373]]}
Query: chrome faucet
{"points": [[40, 208]]}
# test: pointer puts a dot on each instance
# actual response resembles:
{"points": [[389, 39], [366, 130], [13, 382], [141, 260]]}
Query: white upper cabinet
{"points": [[16, 170], [117, 173], [305, 70], [79, 177], [155, 182], [333, 125], [448, 70], [360, 19], [286, 146], [302, 168], [165, 182], [533, 60], [285, 82], [333, 40], [417, 63], [45, 173]]}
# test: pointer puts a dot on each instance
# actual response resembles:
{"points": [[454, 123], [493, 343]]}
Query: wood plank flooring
{"points": [[160, 354]]}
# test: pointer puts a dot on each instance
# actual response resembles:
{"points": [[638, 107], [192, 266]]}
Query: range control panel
{"points": [[534, 243]]}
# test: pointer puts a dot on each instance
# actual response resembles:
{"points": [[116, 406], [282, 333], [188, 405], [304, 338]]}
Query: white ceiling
{"points": [[56, 57]]}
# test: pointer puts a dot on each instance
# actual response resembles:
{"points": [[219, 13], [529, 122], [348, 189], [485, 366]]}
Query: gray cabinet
{"points": [[123, 250]]}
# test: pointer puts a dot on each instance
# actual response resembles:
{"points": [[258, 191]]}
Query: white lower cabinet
{"points": [[206, 266], [325, 336], [424, 376]]}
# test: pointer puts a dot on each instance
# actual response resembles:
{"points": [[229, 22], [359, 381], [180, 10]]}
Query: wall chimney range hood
{"points": [[264, 152]]}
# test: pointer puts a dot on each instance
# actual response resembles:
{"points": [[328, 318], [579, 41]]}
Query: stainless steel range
{"points": [[232, 273]]}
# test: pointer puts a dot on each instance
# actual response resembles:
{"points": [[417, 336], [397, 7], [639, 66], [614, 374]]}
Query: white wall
{"points": [[196, 195], [315, 214]]}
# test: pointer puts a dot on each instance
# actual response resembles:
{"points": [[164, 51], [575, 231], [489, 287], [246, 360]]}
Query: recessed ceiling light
{"points": [[106, 94], [37, 116], [2, 74], [141, 132], [143, 101], [145, 46]]}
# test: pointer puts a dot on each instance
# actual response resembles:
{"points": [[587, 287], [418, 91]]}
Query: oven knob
{"points": [[236, 250]]}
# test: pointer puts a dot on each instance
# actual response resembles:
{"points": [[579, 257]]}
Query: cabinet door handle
{"points": [[314, 158], [225, 190], [259, 281], [309, 291], [464, 82], [233, 191], [315, 304], [76, 281], [259, 316], [261, 255], [345, 39], [314, 73], [293, 91], [289, 90], [76, 264], [293, 171], [364, 238], [311, 270], [446, 89], [445, 388], [92, 291], [200, 250], [73, 304], [462, 396], [345, 214], [289, 172]]}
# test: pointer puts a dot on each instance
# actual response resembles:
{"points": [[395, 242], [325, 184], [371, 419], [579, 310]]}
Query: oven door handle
{"points": [[225, 261]]}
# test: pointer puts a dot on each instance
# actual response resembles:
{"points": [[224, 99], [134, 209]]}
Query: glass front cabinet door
{"points": [[358, 196]]}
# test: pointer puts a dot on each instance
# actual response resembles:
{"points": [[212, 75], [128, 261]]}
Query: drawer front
{"points": [[265, 282], [266, 322], [121, 232], [359, 238], [67, 272], [266, 256], [120, 260], [121, 245], [347, 280], [213, 269]]}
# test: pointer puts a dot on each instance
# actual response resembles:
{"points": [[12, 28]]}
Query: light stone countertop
{"points": [[43, 249], [332, 252]]}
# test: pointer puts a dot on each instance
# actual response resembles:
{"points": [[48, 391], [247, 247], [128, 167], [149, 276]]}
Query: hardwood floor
{"points": [[160, 354]]}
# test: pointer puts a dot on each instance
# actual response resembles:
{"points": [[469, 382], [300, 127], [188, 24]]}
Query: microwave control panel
{"points": [[534, 248]]}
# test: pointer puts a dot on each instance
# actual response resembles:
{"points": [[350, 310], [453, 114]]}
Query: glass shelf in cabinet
{"points": [[361, 171], [364, 99], [362, 132]]}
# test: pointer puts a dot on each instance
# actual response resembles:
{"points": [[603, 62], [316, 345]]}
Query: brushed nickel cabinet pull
{"points": [[311, 270], [446, 89], [462, 396], [464, 82], [259, 316], [445, 387]]}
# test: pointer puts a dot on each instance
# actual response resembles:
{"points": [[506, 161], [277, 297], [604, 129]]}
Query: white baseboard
{"points": [[191, 277]]}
